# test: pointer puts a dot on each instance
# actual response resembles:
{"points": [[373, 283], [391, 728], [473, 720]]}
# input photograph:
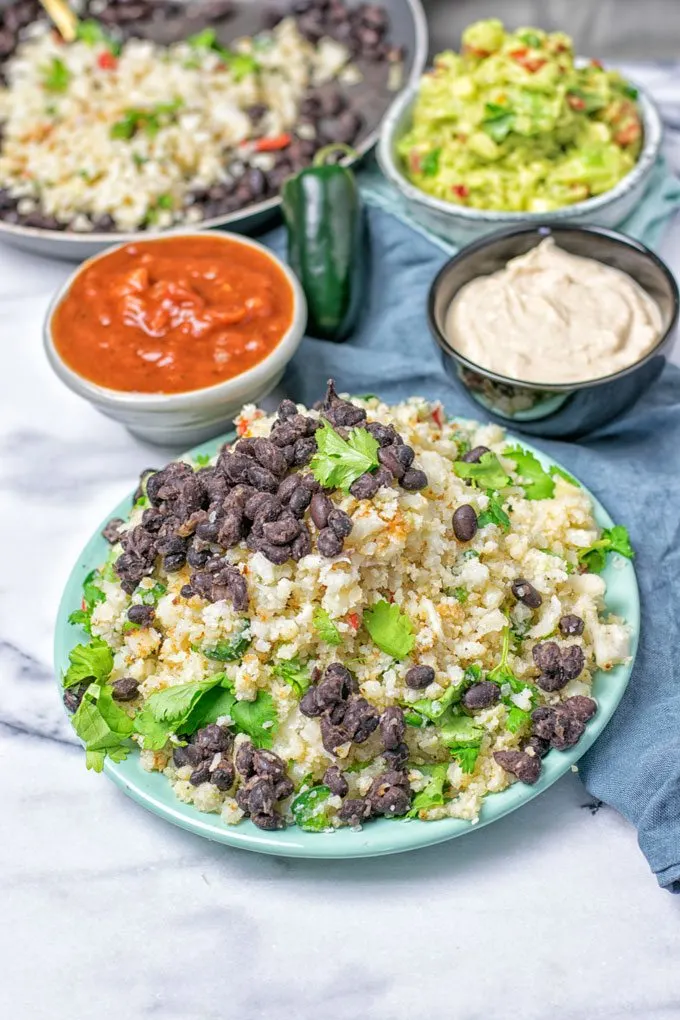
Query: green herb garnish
{"points": [[339, 462], [228, 651], [615, 539], [487, 474], [57, 76], [103, 727], [461, 594], [537, 482], [92, 596], [325, 627], [429, 164], [292, 672], [94, 660], [431, 795], [498, 122], [494, 513], [555, 470], [390, 629], [202, 459]]}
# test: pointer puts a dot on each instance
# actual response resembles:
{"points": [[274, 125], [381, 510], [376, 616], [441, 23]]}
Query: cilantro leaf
{"points": [[539, 483], [434, 709], [412, 718], [256, 718], [202, 459], [473, 673], [465, 756], [460, 731], [487, 474], [431, 795], [494, 513], [339, 462], [308, 809], [429, 164], [516, 718], [102, 725], [615, 539], [228, 651], [57, 76], [174, 704], [558, 471], [151, 596], [461, 594], [204, 40], [92, 596], [325, 627], [92, 660], [210, 707], [294, 674], [390, 629]]}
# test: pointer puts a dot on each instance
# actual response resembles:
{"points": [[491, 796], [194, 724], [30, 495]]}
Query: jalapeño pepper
{"points": [[324, 217]]}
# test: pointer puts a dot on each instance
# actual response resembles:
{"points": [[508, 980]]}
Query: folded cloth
{"points": [[632, 465]]}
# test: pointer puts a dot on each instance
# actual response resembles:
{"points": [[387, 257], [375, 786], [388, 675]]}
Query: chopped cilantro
{"points": [[516, 718], [555, 470], [390, 629], [494, 513], [202, 459], [257, 718], [531, 39], [429, 164], [92, 596], [487, 474], [431, 795], [151, 596], [103, 726], [461, 594], [57, 76], [470, 554], [537, 482], [150, 120], [465, 756], [339, 462], [473, 673], [325, 627], [92, 660], [292, 672], [228, 651], [204, 40], [308, 809], [615, 539], [433, 709], [412, 718]]}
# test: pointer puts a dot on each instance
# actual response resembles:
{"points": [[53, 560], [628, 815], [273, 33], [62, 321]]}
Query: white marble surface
{"points": [[107, 911]]}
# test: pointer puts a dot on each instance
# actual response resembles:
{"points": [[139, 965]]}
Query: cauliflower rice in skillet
{"points": [[354, 611]]}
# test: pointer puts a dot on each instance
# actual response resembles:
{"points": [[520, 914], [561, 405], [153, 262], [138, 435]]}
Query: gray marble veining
{"points": [[107, 911]]}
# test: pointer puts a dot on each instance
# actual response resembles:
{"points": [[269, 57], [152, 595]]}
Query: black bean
{"points": [[552, 681], [180, 757], [195, 754], [223, 775], [239, 497], [328, 543], [392, 727], [580, 707], [269, 456], [201, 774], [573, 661], [571, 625], [310, 482], [537, 745], [568, 729], [384, 434], [354, 811], [302, 545], [244, 759], [277, 554], [256, 181], [112, 530], [547, 656], [281, 532], [300, 500], [481, 695], [335, 781], [365, 486], [246, 447], [390, 794], [543, 722], [231, 530], [413, 480], [340, 522], [125, 689], [283, 788], [141, 615], [337, 669], [404, 455], [174, 562], [475, 455], [419, 677], [304, 450], [320, 509], [265, 504], [397, 758], [270, 823], [360, 719], [286, 409], [465, 523], [343, 414], [288, 487], [260, 794], [331, 691], [268, 763], [387, 455], [236, 468], [213, 738], [262, 478], [383, 476], [153, 519], [332, 736], [309, 705], [526, 593], [526, 767]]}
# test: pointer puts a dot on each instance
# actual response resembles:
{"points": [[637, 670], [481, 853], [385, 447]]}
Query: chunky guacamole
{"points": [[511, 123]]}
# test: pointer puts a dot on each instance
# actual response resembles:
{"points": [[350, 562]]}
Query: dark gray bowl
{"points": [[550, 409]]}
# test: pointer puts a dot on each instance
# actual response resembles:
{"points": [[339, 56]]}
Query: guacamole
{"points": [[511, 123]]}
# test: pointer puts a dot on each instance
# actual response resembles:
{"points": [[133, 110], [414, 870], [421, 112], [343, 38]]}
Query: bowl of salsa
{"points": [[171, 336]]}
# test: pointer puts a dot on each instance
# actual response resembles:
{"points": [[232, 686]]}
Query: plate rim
{"points": [[381, 836]]}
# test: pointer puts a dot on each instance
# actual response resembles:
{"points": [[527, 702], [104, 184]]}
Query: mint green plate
{"points": [[383, 836]]}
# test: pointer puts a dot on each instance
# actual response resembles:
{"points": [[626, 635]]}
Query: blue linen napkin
{"points": [[632, 465]]}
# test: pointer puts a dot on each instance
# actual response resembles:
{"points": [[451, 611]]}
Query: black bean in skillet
{"points": [[526, 767], [571, 625], [335, 781], [475, 455], [413, 480], [526, 593], [354, 811], [328, 543], [365, 486], [112, 530], [464, 523], [125, 689], [419, 677], [481, 695], [223, 775], [320, 509], [143, 616], [392, 727]]}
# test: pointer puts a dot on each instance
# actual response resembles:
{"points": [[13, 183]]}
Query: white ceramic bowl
{"points": [[181, 419], [461, 225]]}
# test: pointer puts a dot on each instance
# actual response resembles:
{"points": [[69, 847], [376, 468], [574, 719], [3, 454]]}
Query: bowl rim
{"points": [[140, 401], [256, 209], [652, 138], [542, 230]]}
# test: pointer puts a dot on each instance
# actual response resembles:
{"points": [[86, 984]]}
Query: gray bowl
{"points": [[461, 225], [408, 29], [184, 419], [553, 410]]}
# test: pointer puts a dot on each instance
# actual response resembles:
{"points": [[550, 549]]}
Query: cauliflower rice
{"points": [[456, 597]]}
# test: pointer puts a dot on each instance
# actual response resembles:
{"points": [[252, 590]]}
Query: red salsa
{"points": [[173, 315]]}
